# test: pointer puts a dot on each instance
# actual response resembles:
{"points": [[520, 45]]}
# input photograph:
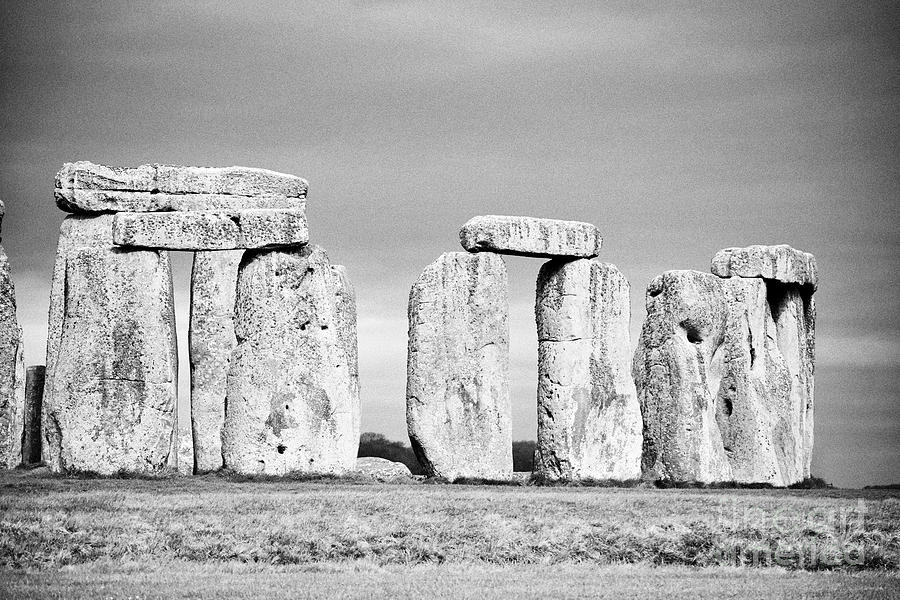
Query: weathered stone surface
{"points": [[793, 309], [291, 398], [528, 236], [34, 395], [109, 402], [95, 201], [382, 469], [589, 419], [457, 390], [76, 231], [781, 263], [87, 187], [212, 340], [754, 387], [676, 371], [345, 316], [12, 372], [211, 230], [185, 444]]}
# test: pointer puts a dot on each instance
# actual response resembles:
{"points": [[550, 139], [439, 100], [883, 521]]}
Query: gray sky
{"points": [[678, 132]]}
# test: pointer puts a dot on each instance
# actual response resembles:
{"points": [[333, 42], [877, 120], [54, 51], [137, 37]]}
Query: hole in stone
{"points": [[281, 448], [324, 327], [728, 406]]}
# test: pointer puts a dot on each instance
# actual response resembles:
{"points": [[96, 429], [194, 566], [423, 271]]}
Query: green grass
{"points": [[69, 534]]}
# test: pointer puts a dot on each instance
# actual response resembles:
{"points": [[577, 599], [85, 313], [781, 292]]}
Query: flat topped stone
{"points": [[781, 263], [88, 187], [211, 230], [529, 236]]}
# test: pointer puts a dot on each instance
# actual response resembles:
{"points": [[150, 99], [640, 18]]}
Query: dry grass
{"points": [[47, 523]]}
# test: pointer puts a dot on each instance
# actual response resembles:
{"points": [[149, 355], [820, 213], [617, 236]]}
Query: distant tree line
{"points": [[376, 444]]}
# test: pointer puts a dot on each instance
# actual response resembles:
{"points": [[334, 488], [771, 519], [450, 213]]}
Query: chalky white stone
{"points": [[382, 469], [529, 236], [292, 405], [109, 401], [781, 263], [87, 187], [794, 311], [212, 340], [457, 394], [754, 388], [677, 368], [211, 230], [589, 419]]}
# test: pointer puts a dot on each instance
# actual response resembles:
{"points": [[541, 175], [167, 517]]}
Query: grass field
{"points": [[215, 537]]}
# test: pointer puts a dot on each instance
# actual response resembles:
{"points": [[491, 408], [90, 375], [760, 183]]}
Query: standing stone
{"points": [[12, 369], [754, 390], [794, 311], [528, 236], [589, 420], [788, 279], [457, 390], [292, 401], [677, 368], [345, 306], [109, 401], [34, 392], [211, 339]]}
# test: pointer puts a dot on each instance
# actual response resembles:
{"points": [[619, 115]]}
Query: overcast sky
{"points": [[678, 132]]}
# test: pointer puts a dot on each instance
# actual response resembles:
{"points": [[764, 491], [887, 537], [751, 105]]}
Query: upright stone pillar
{"points": [[109, 402], [12, 369], [788, 279], [589, 420], [677, 370], [754, 387], [292, 397], [457, 395], [211, 340], [34, 394]]}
